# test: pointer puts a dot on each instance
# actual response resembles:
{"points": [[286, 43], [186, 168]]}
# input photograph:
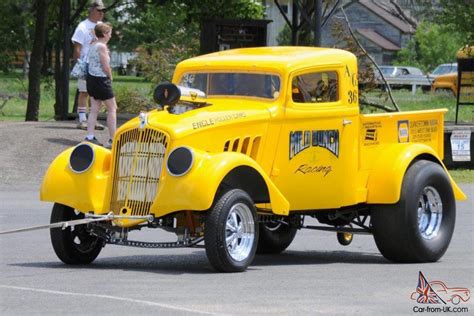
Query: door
{"points": [[316, 162]]}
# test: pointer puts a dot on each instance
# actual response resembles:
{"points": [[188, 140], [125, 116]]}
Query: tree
{"points": [[431, 45], [301, 30], [457, 17], [16, 31], [34, 75], [166, 32]]}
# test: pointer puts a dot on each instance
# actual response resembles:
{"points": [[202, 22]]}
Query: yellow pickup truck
{"points": [[248, 143]]}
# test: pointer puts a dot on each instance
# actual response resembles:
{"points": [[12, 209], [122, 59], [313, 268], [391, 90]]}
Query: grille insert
{"points": [[139, 157]]}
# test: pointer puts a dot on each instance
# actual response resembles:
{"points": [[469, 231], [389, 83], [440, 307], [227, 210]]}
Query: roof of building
{"points": [[400, 24], [378, 39]]}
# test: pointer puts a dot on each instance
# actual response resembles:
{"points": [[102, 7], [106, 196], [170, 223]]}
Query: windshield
{"points": [[387, 71], [233, 84], [445, 69]]}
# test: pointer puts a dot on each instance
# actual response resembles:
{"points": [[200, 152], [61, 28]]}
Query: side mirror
{"points": [[166, 94]]}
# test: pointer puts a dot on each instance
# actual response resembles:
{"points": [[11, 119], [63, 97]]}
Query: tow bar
{"points": [[89, 219]]}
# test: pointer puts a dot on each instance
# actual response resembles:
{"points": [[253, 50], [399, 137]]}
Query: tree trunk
{"points": [[66, 7], [34, 75], [58, 105], [61, 77]]}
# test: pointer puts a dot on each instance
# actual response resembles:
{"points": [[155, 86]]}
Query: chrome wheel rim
{"points": [[239, 232], [430, 213]]}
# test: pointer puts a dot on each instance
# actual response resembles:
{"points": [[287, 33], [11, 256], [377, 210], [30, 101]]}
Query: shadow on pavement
{"points": [[63, 141], [291, 257], [197, 263], [57, 126]]}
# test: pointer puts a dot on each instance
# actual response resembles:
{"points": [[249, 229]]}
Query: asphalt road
{"points": [[314, 276]]}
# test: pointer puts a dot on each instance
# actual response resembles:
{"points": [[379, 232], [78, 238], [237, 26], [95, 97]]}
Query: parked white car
{"points": [[405, 77]]}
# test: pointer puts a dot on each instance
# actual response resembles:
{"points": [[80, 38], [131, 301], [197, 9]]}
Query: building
{"points": [[381, 30]]}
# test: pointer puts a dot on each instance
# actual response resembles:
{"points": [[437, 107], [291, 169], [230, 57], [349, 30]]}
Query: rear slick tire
{"points": [[419, 227], [274, 237], [73, 245]]}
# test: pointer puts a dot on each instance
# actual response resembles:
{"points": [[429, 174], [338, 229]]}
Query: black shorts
{"points": [[100, 88]]}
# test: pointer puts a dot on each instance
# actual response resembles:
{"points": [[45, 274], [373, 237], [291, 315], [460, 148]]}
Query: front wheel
{"points": [[231, 232], [419, 227], [73, 245]]}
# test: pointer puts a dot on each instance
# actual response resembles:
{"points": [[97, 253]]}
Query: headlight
{"points": [[180, 161], [81, 158]]}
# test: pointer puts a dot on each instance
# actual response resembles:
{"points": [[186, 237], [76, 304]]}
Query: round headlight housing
{"points": [[180, 161], [81, 158]]}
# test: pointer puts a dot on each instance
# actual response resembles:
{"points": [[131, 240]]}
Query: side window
{"points": [[316, 87]]}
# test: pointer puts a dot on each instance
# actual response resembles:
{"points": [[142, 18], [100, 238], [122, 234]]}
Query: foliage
{"points": [[131, 100], [284, 37], [430, 46], [457, 17], [223, 9], [157, 65], [16, 30], [165, 32]]}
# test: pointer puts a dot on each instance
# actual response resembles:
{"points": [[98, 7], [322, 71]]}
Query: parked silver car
{"points": [[405, 77]]}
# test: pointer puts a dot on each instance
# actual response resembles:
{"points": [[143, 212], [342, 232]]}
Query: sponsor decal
{"points": [[403, 132], [301, 140], [437, 297], [371, 133], [217, 119], [423, 131]]}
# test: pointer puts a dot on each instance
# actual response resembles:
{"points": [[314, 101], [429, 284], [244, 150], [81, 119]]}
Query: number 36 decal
{"points": [[352, 97]]}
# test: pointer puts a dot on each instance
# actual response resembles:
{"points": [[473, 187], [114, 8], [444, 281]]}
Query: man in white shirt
{"points": [[82, 39]]}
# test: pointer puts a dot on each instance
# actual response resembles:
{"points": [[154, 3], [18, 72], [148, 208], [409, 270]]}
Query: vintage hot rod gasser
{"points": [[259, 139]]}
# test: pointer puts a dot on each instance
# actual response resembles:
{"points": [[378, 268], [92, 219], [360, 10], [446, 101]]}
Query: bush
{"points": [[132, 101]]}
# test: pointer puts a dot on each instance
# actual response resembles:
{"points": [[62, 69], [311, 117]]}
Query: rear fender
{"points": [[385, 180]]}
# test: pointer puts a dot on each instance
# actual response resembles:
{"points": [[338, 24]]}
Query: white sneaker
{"points": [[82, 125]]}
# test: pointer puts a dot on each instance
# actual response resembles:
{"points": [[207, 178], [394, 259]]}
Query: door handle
{"points": [[346, 122]]}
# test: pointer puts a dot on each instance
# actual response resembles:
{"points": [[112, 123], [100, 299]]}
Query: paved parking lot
{"points": [[314, 276]]}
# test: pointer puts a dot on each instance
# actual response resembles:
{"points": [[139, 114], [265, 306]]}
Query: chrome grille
{"points": [[139, 157]]}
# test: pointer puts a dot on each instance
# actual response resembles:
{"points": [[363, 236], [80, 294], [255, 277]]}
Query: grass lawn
{"points": [[16, 86], [423, 101], [462, 175]]}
